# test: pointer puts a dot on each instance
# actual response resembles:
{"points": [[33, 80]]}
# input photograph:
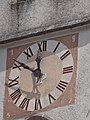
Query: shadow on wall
{"points": [[39, 118]]}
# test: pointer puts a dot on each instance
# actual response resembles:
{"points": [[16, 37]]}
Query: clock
{"points": [[41, 75]]}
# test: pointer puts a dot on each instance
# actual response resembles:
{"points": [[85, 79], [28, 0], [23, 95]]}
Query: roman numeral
{"points": [[24, 104], [62, 85], [28, 52], [38, 104], [51, 98], [17, 66], [56, 47], [13, 82], [16, 95], [65, 55], [42, 46], [68, 69]]}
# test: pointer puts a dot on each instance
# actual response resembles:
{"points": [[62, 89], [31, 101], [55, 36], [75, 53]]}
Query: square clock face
{"points": [[40, 76]]}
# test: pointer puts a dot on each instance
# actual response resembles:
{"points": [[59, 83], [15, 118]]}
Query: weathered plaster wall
{"points": [[8, 19], [33, 16], [81, 109]]}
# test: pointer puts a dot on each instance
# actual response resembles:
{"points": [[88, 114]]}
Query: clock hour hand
{"points": [[39, 75], [38, 59], [38, 70], [24, 65]]}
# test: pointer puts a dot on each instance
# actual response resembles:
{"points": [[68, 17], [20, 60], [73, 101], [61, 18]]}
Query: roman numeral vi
{"points": [[38, 104]]}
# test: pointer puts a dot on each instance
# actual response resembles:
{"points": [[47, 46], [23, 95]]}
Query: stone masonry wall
{"points": [[33, 16]]}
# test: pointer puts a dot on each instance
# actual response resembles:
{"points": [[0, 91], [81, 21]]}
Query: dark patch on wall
{"points": [[14, 17], [16, 10]]}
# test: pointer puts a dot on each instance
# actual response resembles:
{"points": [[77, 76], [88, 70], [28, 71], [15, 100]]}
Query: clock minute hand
{"points": [[24, 65]]}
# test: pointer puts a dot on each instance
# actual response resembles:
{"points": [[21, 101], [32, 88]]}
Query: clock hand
{"points": [[38, 70], [38, 59], [24, 65], [40, 76]]}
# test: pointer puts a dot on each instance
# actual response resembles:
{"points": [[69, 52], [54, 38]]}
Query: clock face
{"points": [[40, 75]]}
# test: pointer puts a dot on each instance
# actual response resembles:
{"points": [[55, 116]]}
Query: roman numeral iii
{"points": [[68, 69]]}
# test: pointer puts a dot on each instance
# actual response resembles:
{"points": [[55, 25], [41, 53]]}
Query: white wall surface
{"points": [[2, 79], [81, 109]]}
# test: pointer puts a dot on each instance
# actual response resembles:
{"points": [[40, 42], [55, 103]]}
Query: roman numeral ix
{"points": [[13, 82]]}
